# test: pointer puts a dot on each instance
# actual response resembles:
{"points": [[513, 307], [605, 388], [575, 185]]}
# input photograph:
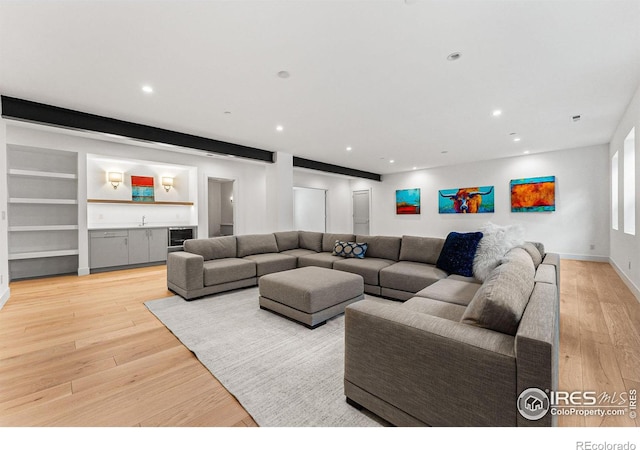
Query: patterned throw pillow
{"points": [[350, 249]]}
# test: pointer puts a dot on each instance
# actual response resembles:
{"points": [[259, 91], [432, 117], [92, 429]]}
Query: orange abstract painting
{"points": [[533, 194]]}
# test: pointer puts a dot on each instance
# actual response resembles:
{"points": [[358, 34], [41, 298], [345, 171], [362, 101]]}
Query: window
{"points": [[629, 195], [614, 191]]}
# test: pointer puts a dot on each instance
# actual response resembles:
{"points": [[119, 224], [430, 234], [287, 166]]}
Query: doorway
{"points": [[221, 208], [361, 212], [309, 209]]}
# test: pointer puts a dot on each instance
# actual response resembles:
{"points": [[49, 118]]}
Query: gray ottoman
{"points": [[310, 295]]}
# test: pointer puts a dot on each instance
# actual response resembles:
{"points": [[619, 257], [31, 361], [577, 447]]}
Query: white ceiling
{"points": [[372, 75]]}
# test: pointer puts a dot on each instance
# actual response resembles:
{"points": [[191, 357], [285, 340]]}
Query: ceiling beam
{"points": [[25, 110]]}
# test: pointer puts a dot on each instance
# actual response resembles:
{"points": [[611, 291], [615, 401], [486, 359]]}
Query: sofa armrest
{"points": [[185, 270], [537, 345], [441, 372]]}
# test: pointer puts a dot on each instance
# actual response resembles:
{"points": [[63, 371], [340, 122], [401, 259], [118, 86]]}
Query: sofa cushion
{"points": [[533, 252], [226, 270], [323, 259], [254, 244], [286, 240], [368, 268], [329, 240], [272, 262], [421, 249], [384, 247], [540, 247], [503, 297], [451, 291], [546, 273], [298, 252], [213, 248], [449, 311], [518, 255], [495, 243], [410, 276], [311, 240], [467, 279], [349, 249], [458, 252]]}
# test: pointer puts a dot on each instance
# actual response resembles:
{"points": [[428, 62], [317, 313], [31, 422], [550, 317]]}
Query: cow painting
{"points": [[471, 200]]}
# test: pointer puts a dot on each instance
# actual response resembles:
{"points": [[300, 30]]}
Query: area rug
{"points": [[282, 373]]}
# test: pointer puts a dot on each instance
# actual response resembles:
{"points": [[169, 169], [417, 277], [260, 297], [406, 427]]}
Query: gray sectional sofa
{"points": [[459, 352], [455, 351], [394, 267]]}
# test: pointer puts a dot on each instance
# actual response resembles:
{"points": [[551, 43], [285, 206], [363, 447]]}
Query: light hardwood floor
{"points": [[85, 351]]}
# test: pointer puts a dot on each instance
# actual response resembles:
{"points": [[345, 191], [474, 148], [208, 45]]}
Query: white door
{"points": [[309, 209], [361, 212]]}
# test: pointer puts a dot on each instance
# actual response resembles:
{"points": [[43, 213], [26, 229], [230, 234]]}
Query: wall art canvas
{"points": [[533, 194], [470, 200], [142, 189], [408, 201]]}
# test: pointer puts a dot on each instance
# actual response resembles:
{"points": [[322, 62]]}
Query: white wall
{"points": [[625, 248], [280, 193], [215, 216], [580, 220], [339, 208], [4, 245]]}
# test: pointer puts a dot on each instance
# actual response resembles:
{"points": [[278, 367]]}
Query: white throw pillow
{"points": [[495, 243]]}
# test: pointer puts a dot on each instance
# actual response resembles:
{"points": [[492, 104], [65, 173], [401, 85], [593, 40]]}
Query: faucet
{"points": [[143, 218]]}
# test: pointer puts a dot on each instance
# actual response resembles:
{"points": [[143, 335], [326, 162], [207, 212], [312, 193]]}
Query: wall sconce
{"points": [[167, 182], [231, 199], [115, 178]]}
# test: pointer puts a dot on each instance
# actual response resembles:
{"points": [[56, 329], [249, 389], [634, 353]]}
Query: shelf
{"points": [[46, 254], [131, 202], [44, 228], [44, 201], [41, 174]]}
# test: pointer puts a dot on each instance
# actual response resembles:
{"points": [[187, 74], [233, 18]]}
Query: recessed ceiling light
{"points": [[576, 118], [279, 128], [349, 149], [231, 156], [392, 161], [526, 152], [227, 112], [210, 154], [454, 56], [147, 89], [414, 167], [284, 74], [444, 152], [496, 113], [516, 139]]}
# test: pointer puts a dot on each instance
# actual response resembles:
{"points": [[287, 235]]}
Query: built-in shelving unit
{"points": [[43, 211]]}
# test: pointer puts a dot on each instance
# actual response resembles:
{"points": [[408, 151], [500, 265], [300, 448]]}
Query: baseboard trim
{"points": [[83, 271], [593, 258], [626, 280], [4, 297]]}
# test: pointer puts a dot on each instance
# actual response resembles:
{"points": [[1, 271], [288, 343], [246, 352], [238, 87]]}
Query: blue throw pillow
{"points": [[350, 249], [458, 252]]}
